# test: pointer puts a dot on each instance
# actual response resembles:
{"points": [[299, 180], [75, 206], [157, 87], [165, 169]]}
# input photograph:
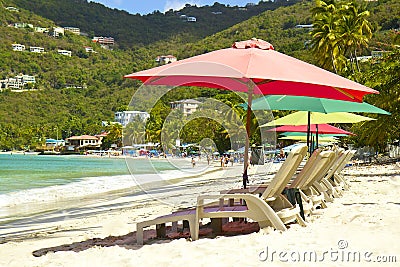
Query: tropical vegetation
{"points": [[76, 93]]}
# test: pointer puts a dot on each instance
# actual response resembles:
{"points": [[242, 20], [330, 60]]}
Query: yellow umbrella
{"points": [[301, 118]]}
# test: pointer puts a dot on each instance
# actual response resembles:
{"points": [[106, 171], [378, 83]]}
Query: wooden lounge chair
{"points": [[326, 185], [338, 179], [315, 169], [272, 192], [248, 206], [272, 209]]}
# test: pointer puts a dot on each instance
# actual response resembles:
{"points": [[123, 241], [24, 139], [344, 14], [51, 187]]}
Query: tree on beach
{"points": [[340, 30], [384, 75]]}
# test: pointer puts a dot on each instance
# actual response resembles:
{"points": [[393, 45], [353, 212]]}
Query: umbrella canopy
{"points": [[313, 104], [304, 138], [320, 129], [305, 134], [301, 118], [254, 62]]}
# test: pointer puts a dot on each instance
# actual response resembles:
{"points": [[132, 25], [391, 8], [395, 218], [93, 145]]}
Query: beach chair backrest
{"points": [[285, 172], [341, 156], [349, 155], [322, 165], [307, 169]]}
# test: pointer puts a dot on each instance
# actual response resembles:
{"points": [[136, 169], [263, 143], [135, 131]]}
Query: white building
{"points": [[36, 49], [57, 31], [126, 117], [74, 30], [187, 106], [89, 49], [13, 9], [65, 52], [12, 83], [17, 82], [23, 25], [26, 79], [191, 19], [161, 60], [103, 40], [304, 26], [84, 141], [41, 30], [18, 47]]}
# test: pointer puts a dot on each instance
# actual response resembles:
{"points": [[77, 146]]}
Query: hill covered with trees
{"points": [[76, 93], [135, 29]]}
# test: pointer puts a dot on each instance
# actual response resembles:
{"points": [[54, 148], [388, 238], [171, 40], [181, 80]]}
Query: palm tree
{"points": [[325, 42], [354, 29], [339, 29]]}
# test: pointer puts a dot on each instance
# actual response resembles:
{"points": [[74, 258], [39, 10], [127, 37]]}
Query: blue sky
{"points": [[148, 6]]}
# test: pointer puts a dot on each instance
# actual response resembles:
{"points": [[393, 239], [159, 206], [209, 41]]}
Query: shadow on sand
{"points": [[128, 241]]}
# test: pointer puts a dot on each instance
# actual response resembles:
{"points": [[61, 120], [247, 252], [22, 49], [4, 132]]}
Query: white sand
{"points": [[365, 219]]}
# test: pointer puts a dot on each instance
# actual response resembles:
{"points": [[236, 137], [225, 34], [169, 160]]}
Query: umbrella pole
{"points": [[246, 147], [316, 136], [308, 130]]}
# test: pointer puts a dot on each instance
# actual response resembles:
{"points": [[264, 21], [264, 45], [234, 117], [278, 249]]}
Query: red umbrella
{"points": [[314, 128], [253, 66], [254, 61]]}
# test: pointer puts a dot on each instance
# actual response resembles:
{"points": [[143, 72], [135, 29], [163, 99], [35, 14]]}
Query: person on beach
{"points": [[193, 162]]}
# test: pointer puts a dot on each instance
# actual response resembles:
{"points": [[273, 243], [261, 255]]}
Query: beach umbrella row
{"points": [[254, 67]]}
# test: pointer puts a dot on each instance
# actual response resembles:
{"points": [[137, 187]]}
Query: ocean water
{"points": [[31, 183], [23, 172]]}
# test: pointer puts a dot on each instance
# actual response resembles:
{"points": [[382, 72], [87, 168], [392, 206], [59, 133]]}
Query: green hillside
{"points": [[76, 93], [132, 30]]}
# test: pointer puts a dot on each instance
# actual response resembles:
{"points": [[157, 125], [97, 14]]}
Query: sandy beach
{"points": [[360, 227]]}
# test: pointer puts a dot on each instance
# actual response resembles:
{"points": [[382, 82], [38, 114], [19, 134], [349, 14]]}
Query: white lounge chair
{"points": [[272, 209]]}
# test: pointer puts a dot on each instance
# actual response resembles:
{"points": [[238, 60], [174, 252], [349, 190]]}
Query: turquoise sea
{"points": [[23, 172]]}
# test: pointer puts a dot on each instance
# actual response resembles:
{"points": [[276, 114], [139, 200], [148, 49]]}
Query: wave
{"points": [[39, 199]]}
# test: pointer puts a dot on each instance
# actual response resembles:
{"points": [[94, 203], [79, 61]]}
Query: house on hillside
{"points": [[74, 30], [103, 40], [89, 49], [125, 117], [57, 32], [65, 52], [18, 47], [187, 106], [12, 9], [191, 19], [17, 82], [41, 30], [36, 49], [304, 26], [161, 60], [19, 25]]}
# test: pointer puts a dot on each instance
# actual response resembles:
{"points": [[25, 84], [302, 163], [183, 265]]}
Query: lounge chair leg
{"points": [[300, 220], [194, 229], [185, 224], [139, 235], [160, 229], [216, 225], [174, 227], [323, 205]]}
